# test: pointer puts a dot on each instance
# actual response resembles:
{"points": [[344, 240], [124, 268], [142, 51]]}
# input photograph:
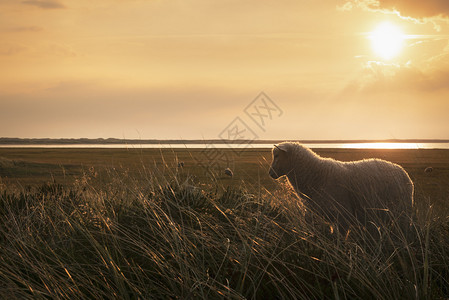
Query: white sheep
{"points": [[344, 191]]}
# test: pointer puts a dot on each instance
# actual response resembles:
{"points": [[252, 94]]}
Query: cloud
{"points": [[417, 9], [377, 77], [25, 29], [9, 49], [44, 4], [62, 50], [406, 8]]}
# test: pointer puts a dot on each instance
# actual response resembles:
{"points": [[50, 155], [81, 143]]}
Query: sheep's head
{"points": [[280, 163]]}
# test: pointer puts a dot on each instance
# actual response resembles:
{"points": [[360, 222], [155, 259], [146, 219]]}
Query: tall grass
{"points": [[167, 236]]}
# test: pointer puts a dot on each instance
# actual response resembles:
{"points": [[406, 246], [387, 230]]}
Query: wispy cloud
{"points": [[44, 4], [406, 8], [9, 49], [378, 77], [25, 29], [417, 9], [62, 50]]}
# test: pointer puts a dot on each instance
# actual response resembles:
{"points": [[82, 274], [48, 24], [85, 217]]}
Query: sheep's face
{"points": [[279, 164]]}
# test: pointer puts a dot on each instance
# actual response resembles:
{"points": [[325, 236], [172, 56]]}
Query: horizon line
{"points": [[16, 140]]}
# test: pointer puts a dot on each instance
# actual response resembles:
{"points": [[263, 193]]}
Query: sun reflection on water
{"points": [[381, 145]]}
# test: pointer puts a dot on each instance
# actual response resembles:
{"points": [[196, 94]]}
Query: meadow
{"points": [[133, 223]]}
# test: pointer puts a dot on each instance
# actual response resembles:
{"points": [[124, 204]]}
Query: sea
{"points": [[367, 145]]}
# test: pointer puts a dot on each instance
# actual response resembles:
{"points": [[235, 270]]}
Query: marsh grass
{"points": [[163, 235]]}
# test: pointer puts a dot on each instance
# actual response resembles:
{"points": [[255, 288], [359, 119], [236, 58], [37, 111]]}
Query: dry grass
{"points": [[167, 234]]}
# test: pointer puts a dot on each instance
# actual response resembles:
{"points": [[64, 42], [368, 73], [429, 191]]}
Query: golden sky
{"points": [[187, 68]]}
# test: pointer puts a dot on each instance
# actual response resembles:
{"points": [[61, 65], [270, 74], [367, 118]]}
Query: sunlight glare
{"points": [[380, 145], [387, 40]]}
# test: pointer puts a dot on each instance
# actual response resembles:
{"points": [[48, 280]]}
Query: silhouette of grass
{"points": [[167, 234]]}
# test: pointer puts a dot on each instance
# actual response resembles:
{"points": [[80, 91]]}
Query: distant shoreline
{"points": [[110, 141]]}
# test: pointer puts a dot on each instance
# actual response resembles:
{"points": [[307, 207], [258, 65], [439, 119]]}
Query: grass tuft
{"points": [[168, 236]]}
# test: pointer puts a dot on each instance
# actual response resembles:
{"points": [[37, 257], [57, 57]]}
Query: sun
{"points": [[387, 40]]}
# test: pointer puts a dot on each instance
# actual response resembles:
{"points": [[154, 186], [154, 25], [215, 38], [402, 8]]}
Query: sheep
{"points": [[344, 192], [228, 172]]}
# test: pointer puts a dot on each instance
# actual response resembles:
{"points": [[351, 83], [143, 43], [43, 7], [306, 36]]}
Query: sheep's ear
{"points": [[280, 147]]}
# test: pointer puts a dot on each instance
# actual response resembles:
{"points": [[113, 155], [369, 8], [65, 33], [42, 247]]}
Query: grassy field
{"points": [[27, 167], [117, 223]]}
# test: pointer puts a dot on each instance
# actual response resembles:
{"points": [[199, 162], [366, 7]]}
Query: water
{"points": [[241, 146]]}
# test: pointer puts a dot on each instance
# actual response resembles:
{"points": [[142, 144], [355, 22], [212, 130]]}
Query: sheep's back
{"points": [[378, 180]]}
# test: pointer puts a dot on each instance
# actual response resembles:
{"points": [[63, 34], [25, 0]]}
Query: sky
{"points": [[202, 69]]}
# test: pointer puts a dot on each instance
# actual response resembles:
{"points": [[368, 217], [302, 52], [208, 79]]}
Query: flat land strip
{"points": [[31, 166]]}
